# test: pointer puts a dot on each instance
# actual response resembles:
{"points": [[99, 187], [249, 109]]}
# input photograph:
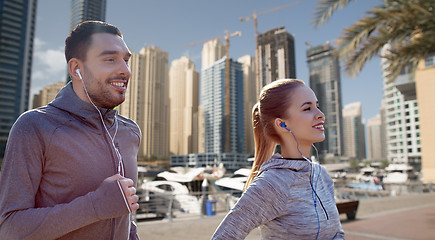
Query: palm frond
{"points": [[407, 25], [326, 8]]}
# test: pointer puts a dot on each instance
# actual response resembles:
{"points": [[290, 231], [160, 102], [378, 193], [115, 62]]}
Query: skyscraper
{"points": [[183, 106], [17, 30], [353, 132], [47, 94], [83, 10], [324, 71], [212, 51], [276, 56], [401, 118], [425, 87], [213, 102], [147, 102], [374, 139], [250, 98]]}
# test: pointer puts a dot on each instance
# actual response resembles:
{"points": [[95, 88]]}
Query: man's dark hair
{"points": [[78, 41]]}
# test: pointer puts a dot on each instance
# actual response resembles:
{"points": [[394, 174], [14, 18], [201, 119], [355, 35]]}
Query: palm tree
{"points": [[407, 25]]}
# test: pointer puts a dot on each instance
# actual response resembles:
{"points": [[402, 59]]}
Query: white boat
{"points": [[171, 191], [398, 173], [185, 175], [236, 181], [367, 175]]}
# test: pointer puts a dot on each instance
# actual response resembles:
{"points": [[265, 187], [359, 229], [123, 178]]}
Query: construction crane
{"points": [[254, 17], [227, 37]]}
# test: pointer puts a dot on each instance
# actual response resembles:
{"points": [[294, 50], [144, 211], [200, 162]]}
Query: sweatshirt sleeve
{"points": [[259, 204], [21, 175], [340, 233]]}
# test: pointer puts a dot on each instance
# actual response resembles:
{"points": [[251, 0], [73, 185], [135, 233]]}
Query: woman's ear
{"points": [[280, 125]]}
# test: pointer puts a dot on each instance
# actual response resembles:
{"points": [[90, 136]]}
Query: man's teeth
{"points": [[118, 84]]}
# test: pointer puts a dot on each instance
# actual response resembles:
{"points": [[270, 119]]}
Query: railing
{"points": [[204, 204], [195, 204]]}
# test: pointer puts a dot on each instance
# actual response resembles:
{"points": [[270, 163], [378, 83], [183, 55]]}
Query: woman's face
{"points": [[305, 118]]}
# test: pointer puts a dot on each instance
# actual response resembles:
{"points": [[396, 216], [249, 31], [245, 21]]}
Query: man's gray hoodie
{"points": [[52, 176]]}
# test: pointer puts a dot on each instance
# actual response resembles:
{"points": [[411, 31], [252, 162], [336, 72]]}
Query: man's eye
{"points": [[110, 59]]}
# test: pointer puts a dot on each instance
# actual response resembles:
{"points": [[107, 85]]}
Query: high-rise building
{"points": [[17, 30], [402, 119], [250, 98], [213, 102], [353, 132], [425, 87], [324, 70], [183, 106], [84, 10], [276, 56], [212, 51], [47, 94], [375, 139], [147, 101]]}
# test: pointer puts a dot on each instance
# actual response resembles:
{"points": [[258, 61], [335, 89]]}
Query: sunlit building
{"points": [[425, 87], [147, 101], [375, 139], [183, 106], [212, 51], [353, 132], [47, 94]]}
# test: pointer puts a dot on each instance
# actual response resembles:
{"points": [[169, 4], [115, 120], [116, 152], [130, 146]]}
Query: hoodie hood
{"points": [[68, 101], [277, 162]]}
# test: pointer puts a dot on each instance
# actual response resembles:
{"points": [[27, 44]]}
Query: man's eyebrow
{"points": [[110, 52]]}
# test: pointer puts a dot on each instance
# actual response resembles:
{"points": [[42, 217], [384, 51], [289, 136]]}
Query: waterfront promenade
{"points": [[403, 217]]}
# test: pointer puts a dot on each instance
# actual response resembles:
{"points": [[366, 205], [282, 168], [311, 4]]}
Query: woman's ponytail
{"points": [[264, 146]]}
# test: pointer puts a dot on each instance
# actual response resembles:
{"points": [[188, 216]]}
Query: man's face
{"points": [[106, 72]]}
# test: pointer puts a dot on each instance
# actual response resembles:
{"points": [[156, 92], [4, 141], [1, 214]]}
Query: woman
{"points": [[287, 195]]}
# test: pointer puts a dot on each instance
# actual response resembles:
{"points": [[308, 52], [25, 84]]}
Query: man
{"points": [[70, 167]]}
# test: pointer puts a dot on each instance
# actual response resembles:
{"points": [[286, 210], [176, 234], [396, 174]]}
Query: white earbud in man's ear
{"points": [[78, 72]]}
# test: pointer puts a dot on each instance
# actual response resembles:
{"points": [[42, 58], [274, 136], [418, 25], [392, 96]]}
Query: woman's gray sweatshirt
{"points": [[280, 200]]}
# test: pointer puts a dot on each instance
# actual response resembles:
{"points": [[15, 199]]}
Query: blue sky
{"points": [[170, 24]]}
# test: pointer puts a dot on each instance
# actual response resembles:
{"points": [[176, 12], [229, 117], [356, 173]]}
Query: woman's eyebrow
{"points": [[308, 103]]}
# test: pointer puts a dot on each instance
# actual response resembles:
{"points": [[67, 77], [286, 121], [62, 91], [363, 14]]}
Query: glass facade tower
{"points": [[324, 71], [17, 30], [83, 10], [213, 102]]}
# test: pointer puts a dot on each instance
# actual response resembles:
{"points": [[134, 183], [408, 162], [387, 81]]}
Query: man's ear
{"points": [[73, 65]]}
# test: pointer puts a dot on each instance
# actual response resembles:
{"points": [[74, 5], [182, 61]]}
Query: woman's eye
{"points": [[307, 109]]}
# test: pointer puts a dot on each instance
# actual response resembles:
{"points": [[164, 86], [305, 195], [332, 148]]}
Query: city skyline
{"points": [[169, 28]]}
